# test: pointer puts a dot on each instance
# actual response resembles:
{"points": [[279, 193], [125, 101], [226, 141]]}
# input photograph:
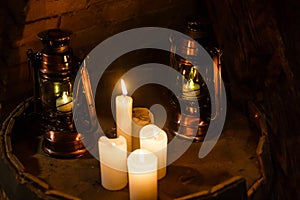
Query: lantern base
{"points": [[191, 122], [189, 127], [63, 144]]}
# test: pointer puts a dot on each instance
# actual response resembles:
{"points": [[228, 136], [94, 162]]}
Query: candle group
{"points": [[145, 165]]}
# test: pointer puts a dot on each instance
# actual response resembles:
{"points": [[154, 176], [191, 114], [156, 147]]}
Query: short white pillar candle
{"points": [[155, 140], [142, 174], [113, 163]]}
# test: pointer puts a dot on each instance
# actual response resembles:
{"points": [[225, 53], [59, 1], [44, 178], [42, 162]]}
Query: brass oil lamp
{"points": [[55, 69], [197, 112]]}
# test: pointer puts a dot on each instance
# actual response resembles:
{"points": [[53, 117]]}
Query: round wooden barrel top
{"points": [[28, 173]]}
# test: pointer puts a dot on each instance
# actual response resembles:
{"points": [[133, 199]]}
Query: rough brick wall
{"points": [[91, 21]]}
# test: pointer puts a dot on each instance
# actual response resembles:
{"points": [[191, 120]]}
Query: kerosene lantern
{"points": [[55, 69], [194, 95]]}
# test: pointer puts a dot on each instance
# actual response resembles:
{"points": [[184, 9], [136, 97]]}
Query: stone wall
{"points": [[91, 21]]}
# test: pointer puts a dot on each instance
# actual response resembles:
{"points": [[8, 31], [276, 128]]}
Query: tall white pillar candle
{"points": [[113, 163], [155, 140], [142, 174], [123, 116]]}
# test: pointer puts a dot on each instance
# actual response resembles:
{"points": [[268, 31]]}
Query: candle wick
{"points": [[156, 135], [142, 157]]}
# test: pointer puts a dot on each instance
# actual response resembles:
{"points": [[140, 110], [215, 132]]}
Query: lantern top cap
{"points": [[55, 40], [55, 34], [197, 26]]}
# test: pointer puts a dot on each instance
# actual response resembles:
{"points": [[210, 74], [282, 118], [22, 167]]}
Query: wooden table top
{"points": [[40, 176]]}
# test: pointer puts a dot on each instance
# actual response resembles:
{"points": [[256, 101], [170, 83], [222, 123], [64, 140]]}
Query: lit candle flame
{"points": [[190, 84], [124, 90], [65, 97]]}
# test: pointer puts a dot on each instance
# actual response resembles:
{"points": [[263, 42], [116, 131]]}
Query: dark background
{"points": [[261, 50]]}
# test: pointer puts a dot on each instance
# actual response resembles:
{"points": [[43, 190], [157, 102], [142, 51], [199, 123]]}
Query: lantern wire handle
{"points": [[32, 64], [85, 80], [217, 59]]}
